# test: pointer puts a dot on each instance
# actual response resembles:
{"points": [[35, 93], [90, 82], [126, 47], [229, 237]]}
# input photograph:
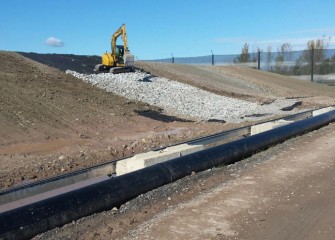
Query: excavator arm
{"points": [[116, 35]]}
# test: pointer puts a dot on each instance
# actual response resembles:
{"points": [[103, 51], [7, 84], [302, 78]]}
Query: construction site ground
{"points": [[53, 123], [285, 192]]}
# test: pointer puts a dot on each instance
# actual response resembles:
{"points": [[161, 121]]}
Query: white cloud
{"points": [[54, 42]]}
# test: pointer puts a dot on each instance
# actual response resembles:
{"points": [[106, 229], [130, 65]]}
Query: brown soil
{"points": [[52, 123]]}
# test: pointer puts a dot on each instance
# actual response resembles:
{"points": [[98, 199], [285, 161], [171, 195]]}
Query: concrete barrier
{"points": [[322, 110], [147, 159], [263, 127]]}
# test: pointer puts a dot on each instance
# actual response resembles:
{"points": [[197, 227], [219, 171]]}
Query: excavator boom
{"points": [[116, 35]]}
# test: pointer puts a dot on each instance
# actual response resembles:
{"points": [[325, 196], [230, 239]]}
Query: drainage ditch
{"points": [[30, 210]]}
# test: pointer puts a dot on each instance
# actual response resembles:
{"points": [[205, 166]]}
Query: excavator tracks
{"points": [[100, 68], [118, 70]]}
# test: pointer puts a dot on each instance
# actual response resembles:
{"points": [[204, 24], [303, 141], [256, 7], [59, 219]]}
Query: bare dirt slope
{"points": [[242, 82], [42, 102], [51, 122]]}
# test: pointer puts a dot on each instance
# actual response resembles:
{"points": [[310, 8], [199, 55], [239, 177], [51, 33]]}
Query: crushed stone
{"points": [[182, 100]]}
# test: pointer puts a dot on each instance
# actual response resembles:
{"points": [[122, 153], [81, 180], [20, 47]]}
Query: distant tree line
{"points": [[283, 62]]}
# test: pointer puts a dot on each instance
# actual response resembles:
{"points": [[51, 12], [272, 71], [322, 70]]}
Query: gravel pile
{"points": [[182, 100]]}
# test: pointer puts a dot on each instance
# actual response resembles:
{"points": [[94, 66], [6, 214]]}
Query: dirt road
{"points": [[285, 192], [290, 196]]}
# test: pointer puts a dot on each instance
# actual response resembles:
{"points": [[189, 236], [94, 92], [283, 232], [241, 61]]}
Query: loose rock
{"points": [[183, 100]]}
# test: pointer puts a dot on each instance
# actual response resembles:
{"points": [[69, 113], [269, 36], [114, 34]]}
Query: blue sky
{"points": [[157, 28]]}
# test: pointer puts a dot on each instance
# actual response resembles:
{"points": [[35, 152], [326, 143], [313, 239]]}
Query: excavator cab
{"points": [[119, 51]]}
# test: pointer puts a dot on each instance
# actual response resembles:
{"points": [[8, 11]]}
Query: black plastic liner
{"points": [[27, 221]]}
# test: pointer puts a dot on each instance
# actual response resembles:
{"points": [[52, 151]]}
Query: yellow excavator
{"points": [[120, 60]]}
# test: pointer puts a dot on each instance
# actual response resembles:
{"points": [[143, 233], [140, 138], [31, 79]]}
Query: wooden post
{"points": [[312, 65], [259, 60]]}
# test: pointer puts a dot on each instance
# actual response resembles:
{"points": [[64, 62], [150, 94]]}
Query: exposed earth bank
{"points": [[53, 123]]}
